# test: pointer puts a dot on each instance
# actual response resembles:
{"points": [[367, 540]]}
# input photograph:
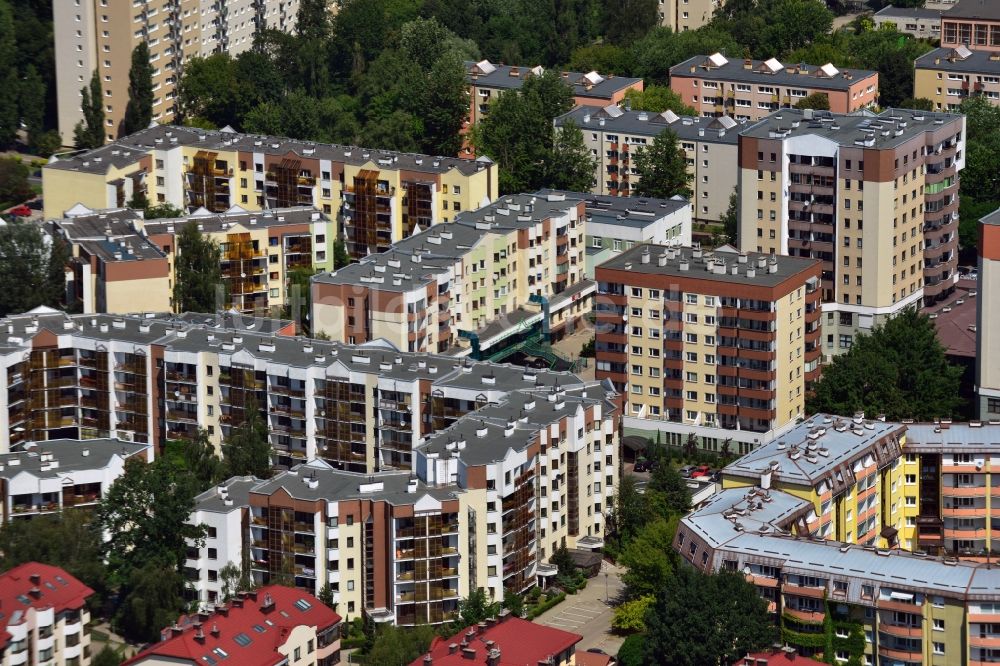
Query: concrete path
{"points": [[587, 612]]}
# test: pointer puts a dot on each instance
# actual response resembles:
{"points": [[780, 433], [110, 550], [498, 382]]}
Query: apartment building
{"points": [[272, 626], [987, 373], [45, 618], [972, 23], [150, 379], [920, 22], [615, 135], [791, 514], [949, 75], [377, 197], [504, 641], [753, 89], [48, 477], [615, 224], [124, 263], [97, 35], [488, 80], [682, 15], [722, 345], [489, 496], [824, 185], [507, 271]]}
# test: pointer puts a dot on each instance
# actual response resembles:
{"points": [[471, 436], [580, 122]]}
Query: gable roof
{"points": [[518, 641], [36, 585]]}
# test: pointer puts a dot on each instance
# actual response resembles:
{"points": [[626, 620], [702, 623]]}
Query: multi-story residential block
{"points": [[504, 641], [615, 135], [488, 80], [491, 495], [826, 186], [45, 617], [722, 344], [972, 23], [60, 474], [377, 197], [791, 514], [949, 75], [149, 380], [682, 15], [124, 263], [988, 317], [923, 23], [98, 36], [504, 272], [752, 89], [616, 224], [272, 626]]}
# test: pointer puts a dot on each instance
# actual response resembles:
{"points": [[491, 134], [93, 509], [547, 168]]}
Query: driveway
{"points": [[587, 612]]}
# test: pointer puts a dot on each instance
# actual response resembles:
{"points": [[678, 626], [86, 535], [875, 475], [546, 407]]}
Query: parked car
{"points": [[20, 211], [641, 466], [701, 470], [686, 471]]}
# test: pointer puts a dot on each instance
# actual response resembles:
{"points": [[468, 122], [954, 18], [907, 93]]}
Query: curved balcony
{"points": [[902, 655], [984, 641], [901, 630], [809, 617], [811, 592]]}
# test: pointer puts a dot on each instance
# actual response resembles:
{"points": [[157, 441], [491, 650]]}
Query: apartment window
{"points": [[938, 648], [938, 624]]}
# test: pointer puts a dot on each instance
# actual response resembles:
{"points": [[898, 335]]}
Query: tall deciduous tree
{"points": [[700, 619], [31, 269], [8, 76], [627, 20], [32, 96], [730, 219], [817, 100], [649, 558], [139, 110], [247, 451], [90, 132], [658, 99], [570, 165], [772, 28], [628, 513], [899, 370], [198, 275], [662, 168], [300, 298]]}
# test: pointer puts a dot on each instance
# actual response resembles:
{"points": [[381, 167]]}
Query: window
{"points": [[938, 648], [938, 624]]}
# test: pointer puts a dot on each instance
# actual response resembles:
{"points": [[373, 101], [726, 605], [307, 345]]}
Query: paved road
{"points": [[587, 613]]}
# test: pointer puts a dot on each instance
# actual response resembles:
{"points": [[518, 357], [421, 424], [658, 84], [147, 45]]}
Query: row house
{"points": [[377, 197], [504, 272], [947, 76]]}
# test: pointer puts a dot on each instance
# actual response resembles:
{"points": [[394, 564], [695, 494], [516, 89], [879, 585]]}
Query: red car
{"points": [[20, 211], [701, 470]]}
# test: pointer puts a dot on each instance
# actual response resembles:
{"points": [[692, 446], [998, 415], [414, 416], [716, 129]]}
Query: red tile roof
{"points": [[593, 659], [248, 631], [52, 588], [953, 326], [520, 642], [778, 658]]}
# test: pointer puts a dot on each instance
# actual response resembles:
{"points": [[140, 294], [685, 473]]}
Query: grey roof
{"points": [[755, 510], [129, 149], [991, 218], [914, 13], [976, 9], [802, 74], [215, 222], [956, 437], [72, 455], [236, 489], [637, 212], [414, 261], [824, 444], [649, 124], [99, 225], [785, 266], [889, 129], [512, 77], [335, 485], [231, 320], [948, 60]]}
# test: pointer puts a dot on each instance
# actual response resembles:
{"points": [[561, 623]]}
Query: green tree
{"points": [[208, 90], [326, 596], [144, 516], [9, 76], [700, 619], [32, 99], [14, 185], [139, 109], [919, 103], [30, 269], [662, 168], [300, 298], [163, 210], [649, 559], [55, 274], [604, 58], [340, 256], [773, 28], [564, 562], [152, 597], [445, 106], [628, 511], [247, 451], [980, 182], [668, 481], [514, 602], [662, 48], [627, 20], [108, 656], [657, 99], [399, 646], [630, 617], [197, 456], [730, 219], [817, 100], [632, 651], [899, 370], [236, 578], [475, 608], [90, 132], [198, 275], [570, 165]]}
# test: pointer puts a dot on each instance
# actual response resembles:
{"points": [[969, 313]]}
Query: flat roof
{"points": [[991, 218], [217, 222], [889, 129], [972, 437], [889, 11], [770, 72], [635, 212], [70, 454], [975, 9], [948, 60], [723, 130], [512, 77], [699, 264], [128, 150]]}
